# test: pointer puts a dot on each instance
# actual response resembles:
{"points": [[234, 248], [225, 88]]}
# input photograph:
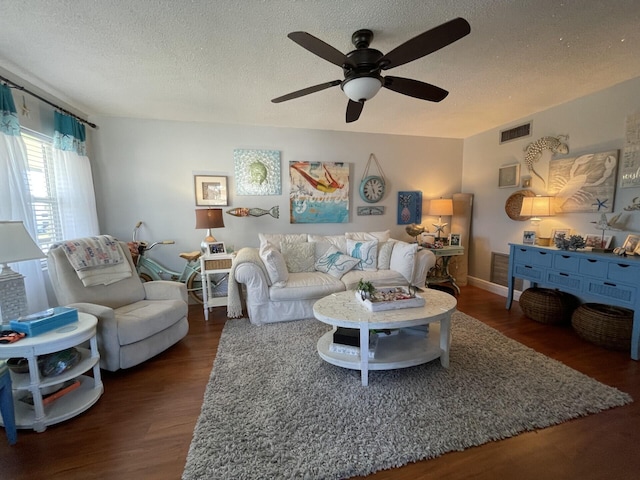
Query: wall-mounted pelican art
{"points": [[584, 184]]}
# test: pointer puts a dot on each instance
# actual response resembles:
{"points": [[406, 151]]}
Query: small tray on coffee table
{"points": [[391, 298]]}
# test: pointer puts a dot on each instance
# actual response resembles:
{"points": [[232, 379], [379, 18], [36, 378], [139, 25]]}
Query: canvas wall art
{"points": [[584, 184], [319, 192], [409, 207], [257, 172]]}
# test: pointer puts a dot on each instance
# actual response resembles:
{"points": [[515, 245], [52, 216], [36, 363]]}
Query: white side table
{"points": [[71, 404], [211, 265]]}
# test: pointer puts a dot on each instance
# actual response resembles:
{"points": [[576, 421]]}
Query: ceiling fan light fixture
{"points": [[361, 88]]}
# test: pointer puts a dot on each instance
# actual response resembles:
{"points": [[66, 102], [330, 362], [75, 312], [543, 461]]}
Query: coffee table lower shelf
{"points": [[397, 351]]}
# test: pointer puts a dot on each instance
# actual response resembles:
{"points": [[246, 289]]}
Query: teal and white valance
{"points": [[69, 134], [9, 124]]}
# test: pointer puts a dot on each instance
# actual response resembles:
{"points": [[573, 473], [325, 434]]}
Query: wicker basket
{"points": [[217, 264], [604, 325], [548, 306]]}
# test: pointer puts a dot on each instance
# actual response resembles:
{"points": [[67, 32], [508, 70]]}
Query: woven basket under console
{"points": [[545, 305], [604, 325]]}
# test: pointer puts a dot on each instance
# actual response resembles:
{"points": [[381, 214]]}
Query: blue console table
{"points": [[593, 277]]}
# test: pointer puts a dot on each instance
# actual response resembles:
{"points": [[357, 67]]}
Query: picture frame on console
{"points": [[596, 240], [557, 231], [454, 240], [529, 237], [631, 244]]}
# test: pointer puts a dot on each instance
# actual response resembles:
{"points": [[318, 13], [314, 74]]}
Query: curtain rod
{"points": [[58, 107]]}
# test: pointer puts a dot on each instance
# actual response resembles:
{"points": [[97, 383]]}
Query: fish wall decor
{"points": [[254, 212]]}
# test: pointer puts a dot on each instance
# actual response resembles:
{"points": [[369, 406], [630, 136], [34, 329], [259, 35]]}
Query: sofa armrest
{"points": [[165, 290], [425, 260], [107, 333], [254, 280]]}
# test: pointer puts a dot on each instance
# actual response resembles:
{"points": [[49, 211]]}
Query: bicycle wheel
{"points": [[194, 286]]}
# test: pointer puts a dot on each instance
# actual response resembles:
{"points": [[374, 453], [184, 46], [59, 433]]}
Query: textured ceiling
{"points": [[223, 60]]}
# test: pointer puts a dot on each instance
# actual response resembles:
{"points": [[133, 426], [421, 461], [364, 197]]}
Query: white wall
{"points": [[143, 170], [594, 123]]}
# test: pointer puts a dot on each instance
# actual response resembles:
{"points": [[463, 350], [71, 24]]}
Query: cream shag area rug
{"points": [[274, 409]]}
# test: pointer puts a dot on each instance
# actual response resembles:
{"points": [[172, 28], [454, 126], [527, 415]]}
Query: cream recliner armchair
{"points": [[136, 320]]}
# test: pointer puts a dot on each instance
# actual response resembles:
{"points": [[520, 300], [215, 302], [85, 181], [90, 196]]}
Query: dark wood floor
{"points": [[141, 427]]}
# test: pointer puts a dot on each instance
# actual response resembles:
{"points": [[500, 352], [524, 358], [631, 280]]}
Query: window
{"points": [[42, 187]]}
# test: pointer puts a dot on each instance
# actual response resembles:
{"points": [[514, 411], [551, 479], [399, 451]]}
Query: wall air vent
{"points": [[515, 132]]}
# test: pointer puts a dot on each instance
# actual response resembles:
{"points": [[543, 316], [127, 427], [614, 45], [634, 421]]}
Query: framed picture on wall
{"points": [[509, 176], [210, 190]]}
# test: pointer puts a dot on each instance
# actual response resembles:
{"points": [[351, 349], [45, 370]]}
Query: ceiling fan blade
{"points": [[426, 43], [306, 91], [354, 109], [320, 48], [415, 88]]}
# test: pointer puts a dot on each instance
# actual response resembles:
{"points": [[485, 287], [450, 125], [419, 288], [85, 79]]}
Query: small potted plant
{"points": [[366, 289]]}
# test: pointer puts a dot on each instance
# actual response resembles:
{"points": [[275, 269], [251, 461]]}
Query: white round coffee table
{"points": [[405, 347]]}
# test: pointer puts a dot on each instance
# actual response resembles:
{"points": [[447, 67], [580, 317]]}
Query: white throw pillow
{"points": [[339, 241], [380, 236], [336, 263], [403, 258], [299, 257], [367, 252], [277, 238], [274, 263], [384, 254]]}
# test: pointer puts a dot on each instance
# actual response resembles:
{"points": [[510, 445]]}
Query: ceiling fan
{"points": [[362, 66]]}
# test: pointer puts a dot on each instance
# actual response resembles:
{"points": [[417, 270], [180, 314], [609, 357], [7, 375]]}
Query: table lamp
{"points": [[537, 207], [439, 207], [16, 246], [208, 218]]}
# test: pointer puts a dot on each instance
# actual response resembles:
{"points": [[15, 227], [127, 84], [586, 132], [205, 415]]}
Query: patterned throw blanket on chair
{"points": [[97, 260]]}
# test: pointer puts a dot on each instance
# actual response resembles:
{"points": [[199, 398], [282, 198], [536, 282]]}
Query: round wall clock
{"points": [[372, 189]]}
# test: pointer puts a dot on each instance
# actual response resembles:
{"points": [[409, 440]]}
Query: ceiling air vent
{"points": [[515, 132]]}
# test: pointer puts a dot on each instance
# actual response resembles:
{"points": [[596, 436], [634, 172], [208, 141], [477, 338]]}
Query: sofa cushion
{"points": [[299, 257], [134, 322], [338, 241], [366, 251], [336, 263], [379, 236], [384, 254], [403, 258], [277, 238], [305, 285], [275, 264]]}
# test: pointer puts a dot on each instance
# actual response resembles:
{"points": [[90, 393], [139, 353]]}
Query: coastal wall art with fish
{"points": [[319, 192], [584, 184]]}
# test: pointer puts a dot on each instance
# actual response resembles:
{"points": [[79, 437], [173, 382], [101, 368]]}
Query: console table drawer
{"points": [[624, 273], [529, 273], [566, 263], [531, 256], [617, 293], [593, 267], [565, 281]]}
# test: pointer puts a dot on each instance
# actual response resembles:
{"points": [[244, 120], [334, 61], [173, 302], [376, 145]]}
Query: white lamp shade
{"points": [[537, 207], [441, 206], [16, 245], [361, 88]]}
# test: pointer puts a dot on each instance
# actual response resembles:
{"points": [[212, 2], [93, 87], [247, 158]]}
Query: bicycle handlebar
{"points": [[144, 244]]}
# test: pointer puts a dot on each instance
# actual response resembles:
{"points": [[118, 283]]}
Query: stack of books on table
{"points": [[347, 342]]}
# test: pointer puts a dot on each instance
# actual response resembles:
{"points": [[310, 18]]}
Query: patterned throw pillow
{"points": [[336, 263], [367, 252], [274, 263], [299, 257]]}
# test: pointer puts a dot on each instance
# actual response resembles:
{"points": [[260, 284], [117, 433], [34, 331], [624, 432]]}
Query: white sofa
{"points": [[283, 278]]}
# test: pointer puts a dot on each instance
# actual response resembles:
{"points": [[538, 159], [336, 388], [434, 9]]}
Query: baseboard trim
{"points": [[492, 287]]}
